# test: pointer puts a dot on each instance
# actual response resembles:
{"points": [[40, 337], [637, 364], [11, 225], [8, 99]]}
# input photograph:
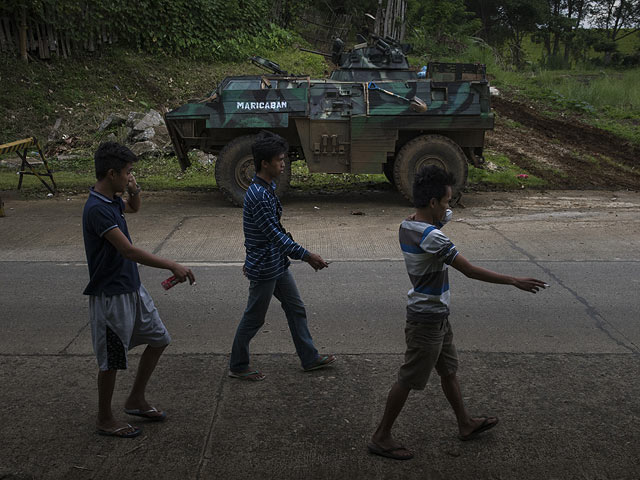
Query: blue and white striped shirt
{"points": [[427, 253], [265, 241]]}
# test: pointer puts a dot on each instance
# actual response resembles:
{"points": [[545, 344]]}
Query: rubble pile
{"points": [[145, 133]]}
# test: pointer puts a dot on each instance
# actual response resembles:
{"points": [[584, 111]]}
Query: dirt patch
{"points": [[566, 153]]}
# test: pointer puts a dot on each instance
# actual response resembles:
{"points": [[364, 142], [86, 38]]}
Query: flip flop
{"points": [[389, 452], [119, 432], [483, 427], [321, 362], [148, 414], [252, 376]]}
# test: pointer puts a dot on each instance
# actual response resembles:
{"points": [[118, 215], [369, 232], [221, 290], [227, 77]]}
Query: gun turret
{"points": [[327, 55], [336, 51], [268, 65]]}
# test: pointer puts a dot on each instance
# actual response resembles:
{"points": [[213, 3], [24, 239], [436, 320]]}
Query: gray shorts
{"points": [[429, 345], [121, 322]]}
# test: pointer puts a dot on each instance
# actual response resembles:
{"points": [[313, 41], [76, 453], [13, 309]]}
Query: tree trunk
{"points": [[377, 29], [23, 35]]}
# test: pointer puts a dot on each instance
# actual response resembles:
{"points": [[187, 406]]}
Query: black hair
{"points": [[431, 182], [112, 155], [266, 146]]}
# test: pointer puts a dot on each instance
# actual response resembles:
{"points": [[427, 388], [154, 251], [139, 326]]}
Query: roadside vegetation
{"points": [[595, 82]]}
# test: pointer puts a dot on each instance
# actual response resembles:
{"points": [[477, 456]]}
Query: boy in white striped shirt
{"points": [[427, 253]]}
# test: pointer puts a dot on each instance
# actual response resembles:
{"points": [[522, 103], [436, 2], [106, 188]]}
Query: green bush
{"points": [[220, 29]]}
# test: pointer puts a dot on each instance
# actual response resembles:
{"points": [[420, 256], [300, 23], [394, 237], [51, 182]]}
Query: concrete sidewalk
{"points": [[560, 370]]}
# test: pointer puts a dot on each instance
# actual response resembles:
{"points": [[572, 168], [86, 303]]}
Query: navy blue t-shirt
{"points": [[109, 272]]}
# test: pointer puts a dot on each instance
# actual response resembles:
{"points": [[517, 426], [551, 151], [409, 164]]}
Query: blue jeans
{"points": [[284, 289]]}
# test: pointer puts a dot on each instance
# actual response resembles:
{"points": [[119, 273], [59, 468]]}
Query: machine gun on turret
{"points": [[268, 65]]}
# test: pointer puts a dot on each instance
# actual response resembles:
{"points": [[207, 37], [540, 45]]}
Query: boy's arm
{"points": [[272, 231], [128, 251], [478, 273]]}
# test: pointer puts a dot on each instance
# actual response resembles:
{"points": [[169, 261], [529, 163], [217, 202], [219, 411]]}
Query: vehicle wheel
{"points": [[430, 150], [387, 169], [235, 170]]}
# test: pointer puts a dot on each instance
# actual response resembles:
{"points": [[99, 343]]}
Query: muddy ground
{"points": [[564, 152]]}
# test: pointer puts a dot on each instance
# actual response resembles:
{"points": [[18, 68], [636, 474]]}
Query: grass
{"points": [[505, 175], [626, 46], [305, 181], [82, 91], [164, 173], [605, 98], [75, 176]]}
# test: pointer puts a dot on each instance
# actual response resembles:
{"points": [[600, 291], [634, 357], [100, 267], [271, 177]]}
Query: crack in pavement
{"points": [[64, 350], [601, 323], [171, 233], [203, 460]]}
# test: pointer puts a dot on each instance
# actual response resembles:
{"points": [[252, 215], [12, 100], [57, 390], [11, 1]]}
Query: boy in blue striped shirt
{"points": [[268, 247], [427, 254]]}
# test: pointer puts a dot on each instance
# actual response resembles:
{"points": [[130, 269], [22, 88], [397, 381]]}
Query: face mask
{"points": [[447, 217]]}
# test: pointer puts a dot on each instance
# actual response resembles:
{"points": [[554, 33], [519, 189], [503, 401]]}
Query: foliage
{"points": [[219, 29], [567, 30], [83, 91], [519, 18], [439, 27]]}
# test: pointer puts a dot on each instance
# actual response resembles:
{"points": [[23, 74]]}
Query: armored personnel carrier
{"points": [[374, 114]]}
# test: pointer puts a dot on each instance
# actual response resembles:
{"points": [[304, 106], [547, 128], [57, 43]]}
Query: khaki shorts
{"points": [[429, 345]]}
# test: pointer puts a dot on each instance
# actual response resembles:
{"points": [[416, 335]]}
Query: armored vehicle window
{"points": [[372, 74], [244, 84], [285, 84]]}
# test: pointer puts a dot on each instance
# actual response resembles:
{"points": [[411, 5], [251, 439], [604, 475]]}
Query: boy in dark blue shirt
{"points": [[266, 266], [121, 311]]}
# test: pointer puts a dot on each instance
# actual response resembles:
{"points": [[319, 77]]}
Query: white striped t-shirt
{"points": [[427, 253]]}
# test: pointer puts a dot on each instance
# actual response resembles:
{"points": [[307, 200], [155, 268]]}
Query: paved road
{"points": [[559, 368]]}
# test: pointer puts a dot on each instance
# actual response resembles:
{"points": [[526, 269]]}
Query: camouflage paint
{"points": [[342, 126]]}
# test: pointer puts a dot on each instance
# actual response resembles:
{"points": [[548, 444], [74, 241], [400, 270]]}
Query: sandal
{"points": [[251, 376], [121, 432], [390, 452], [483, 427], [153, 414], [321, 362]]}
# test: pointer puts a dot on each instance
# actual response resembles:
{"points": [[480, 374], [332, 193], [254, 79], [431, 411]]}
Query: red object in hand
{"points": [[170, 282]]}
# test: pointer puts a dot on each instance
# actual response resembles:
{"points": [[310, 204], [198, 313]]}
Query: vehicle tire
{"points": [[430, 150], [387, 169], [235, 170]]}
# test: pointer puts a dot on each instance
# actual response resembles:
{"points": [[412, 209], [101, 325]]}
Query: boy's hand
{"points": [[183, 273], [132, 187], [529, 284], [316, 261]]}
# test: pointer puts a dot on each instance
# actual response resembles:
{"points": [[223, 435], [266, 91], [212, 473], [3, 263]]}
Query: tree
{"points": [[439, 26], [519, 18], [561, 22], [616, 19]]}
